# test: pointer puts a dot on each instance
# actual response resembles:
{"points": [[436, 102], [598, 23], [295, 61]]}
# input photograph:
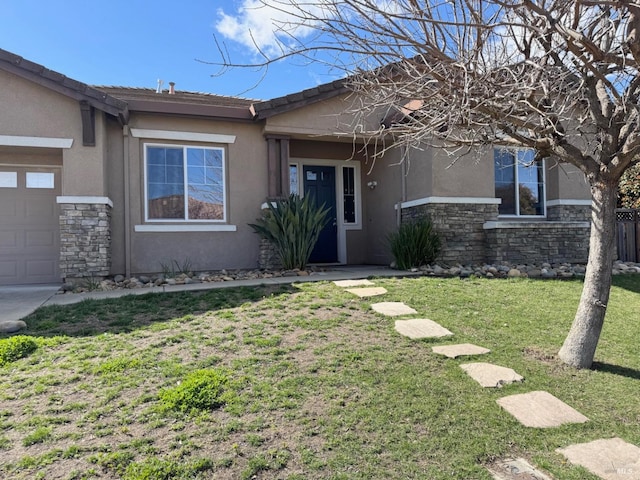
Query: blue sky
{"points": [[135, 42]]}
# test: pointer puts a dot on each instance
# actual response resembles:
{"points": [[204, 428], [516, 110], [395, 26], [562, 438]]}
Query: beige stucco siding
{"points": [[566, 182], [469, 176], [332, 117], [30, 110], [246, 190]]}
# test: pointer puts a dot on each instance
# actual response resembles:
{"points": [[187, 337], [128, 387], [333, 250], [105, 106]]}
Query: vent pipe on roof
{"points": [[172, 88], [159, 87]]}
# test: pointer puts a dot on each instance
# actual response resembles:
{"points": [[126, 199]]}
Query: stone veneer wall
{"points": [[268, 256], [85, 240], [569, 213], [472, 234], [538, 242], [460, 226]]}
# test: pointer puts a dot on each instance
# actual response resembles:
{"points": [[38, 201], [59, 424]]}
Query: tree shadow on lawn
{"points": [[616, 370], [629, 282], [131, 312]]}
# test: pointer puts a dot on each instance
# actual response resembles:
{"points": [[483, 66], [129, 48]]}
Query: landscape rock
{"points": [[12, 326]]}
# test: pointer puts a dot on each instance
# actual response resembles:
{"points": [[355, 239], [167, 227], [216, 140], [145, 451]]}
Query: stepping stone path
{"points": [[421, 328], [491, 376], [367, 292], [463, 349], [612, 459], [540, 410], [393, 309], [609, 459], [352, 283]]}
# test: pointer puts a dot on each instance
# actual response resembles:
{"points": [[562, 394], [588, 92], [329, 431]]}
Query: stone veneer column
{"points": [[85, 237]]}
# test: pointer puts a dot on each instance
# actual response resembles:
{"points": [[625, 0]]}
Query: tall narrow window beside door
{"points": [[349, 194]]}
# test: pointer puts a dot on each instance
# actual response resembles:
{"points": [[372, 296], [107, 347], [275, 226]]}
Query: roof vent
{"points": [[172, 88], [159, 87]]}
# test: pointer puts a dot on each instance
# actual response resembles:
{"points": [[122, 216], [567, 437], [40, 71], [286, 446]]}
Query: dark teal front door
{"points": [[320, 184]]}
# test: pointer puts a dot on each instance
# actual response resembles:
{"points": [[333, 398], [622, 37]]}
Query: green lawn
{"points": [[309, 383]]}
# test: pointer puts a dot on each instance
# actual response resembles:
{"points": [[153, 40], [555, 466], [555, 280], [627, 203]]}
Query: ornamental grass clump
{"points": [[293, 225], [414, 244], [15, 348]]}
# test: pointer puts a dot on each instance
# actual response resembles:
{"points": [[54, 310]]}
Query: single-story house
{"points": [[98, 181]]}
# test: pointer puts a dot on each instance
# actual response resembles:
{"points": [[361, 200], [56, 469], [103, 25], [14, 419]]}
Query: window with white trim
{"points": [[515, 167], [184, 183]]}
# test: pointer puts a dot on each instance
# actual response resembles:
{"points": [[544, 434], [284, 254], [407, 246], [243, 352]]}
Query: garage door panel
{"points": [[8, 240], [40, 238], [8, 269], [39, 207], [8, 209], [40, 268]]}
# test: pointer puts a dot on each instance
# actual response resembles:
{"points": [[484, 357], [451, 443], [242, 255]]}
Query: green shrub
{"points": [[293, 225], [201, 390], [14, 348], [414, 244]]}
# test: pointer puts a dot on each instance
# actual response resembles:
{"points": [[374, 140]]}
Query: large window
{"points": [[519, 182], [184, 183]]}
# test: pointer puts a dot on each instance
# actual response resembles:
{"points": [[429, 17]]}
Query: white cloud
{"points": [[270, 28]]}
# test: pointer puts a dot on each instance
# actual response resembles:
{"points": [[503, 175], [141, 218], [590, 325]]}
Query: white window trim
{"points": [[182, 136], [342, 226], [569, 202], [517, 203], [39, 142], [85, 200], [184, 228], [185, 220], [452, 200]]}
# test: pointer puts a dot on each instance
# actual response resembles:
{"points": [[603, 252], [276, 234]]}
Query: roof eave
{"points": [[191, 109]]}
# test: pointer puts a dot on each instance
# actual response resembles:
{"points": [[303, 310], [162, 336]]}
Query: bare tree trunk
{"points": [[579, 347]]}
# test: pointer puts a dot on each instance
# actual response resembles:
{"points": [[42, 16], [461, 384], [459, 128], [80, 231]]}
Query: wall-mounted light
{"points": [[372, 184]]}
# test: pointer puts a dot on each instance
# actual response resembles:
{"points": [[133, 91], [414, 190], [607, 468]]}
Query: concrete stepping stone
{"points": [[611, 459], [367, 292], [515, 469], [393, 309], [491, 376], [421, 328], [540, 410], [352, 283], [463, 349]]}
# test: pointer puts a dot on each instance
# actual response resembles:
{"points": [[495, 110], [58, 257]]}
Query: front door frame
{"points": [[343, 226]]}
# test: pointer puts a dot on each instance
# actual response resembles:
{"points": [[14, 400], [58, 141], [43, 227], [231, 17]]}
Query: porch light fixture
{"points": [[372, 184]]}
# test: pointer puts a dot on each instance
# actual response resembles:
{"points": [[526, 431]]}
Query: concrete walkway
{"points": [[17, 302]]}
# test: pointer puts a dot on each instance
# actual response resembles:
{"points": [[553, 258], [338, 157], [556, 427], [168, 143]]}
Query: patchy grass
{"points": [[306, 382]]}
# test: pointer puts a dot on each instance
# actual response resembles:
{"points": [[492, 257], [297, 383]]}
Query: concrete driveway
{"points": [[19, 301]]}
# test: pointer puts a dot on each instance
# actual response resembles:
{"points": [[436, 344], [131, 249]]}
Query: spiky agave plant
{"points": [[293, 225]]}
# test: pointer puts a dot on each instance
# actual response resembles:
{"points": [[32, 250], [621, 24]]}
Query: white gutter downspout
{"points": [[403, 184]]}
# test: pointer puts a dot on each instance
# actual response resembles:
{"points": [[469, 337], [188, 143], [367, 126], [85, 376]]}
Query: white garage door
{"points": [[29, 225]]}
